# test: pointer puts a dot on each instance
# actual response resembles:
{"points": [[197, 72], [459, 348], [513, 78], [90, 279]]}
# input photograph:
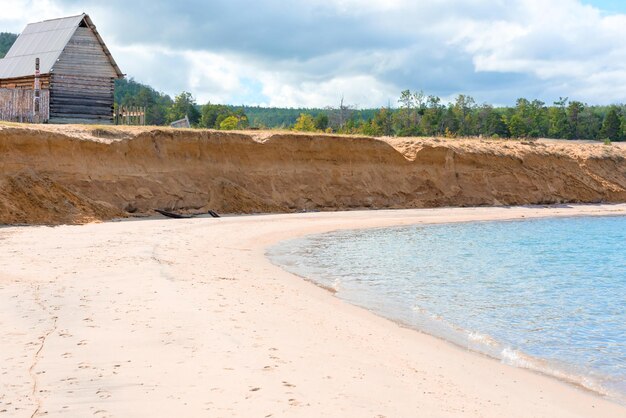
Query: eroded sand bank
{"points": [[188, 318], [76, 174]]}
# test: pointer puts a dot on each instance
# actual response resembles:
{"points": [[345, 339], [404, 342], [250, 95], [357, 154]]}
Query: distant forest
{"points": [[414, 114]]}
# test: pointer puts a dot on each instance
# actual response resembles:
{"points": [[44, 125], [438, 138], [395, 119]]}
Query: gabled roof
{"points": [[46, 41]]}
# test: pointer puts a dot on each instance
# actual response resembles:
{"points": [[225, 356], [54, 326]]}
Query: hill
{"points": [[6, 41]]}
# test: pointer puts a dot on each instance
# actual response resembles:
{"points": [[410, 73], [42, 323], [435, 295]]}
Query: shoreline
{"points": [[527, 361], [189, 317]]}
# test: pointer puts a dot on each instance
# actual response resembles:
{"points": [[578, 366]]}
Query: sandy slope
{"points": [[73, 174], [188, 318]]}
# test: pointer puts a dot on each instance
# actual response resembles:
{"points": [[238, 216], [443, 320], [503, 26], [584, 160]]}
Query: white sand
{"points": [[188, 318]]}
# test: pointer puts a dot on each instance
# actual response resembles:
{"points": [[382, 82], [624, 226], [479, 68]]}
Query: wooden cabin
{"points": [[75, 81]]}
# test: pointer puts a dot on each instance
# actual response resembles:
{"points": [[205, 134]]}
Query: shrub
{"points": [[304, 123], [229, 123]]}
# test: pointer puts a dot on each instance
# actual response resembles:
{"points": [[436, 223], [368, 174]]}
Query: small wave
{"points": [[482, 339], [518, 359]]}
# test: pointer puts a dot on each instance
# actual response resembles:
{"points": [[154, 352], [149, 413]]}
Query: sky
{"points": [[311, 53]]}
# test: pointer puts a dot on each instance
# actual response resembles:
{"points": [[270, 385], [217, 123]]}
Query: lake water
{"points": [[547, 294]]}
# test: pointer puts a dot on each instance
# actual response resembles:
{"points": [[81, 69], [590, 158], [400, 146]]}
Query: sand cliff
{"points": [[72, 174]]}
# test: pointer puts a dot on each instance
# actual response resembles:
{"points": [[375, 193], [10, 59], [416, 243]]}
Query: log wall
{"points": [[18, 105], [25, 82], [83, 82]]}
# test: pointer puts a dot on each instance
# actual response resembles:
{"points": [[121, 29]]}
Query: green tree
{"points": [[129, 92], [449, 122], [370, 128], [574, 111], [304, 123], [243, 119], [517, 126], [432, 119], [229, 123], [529, 119], [537, 119], [463, 109], [557, 119], [612, 125], [590, 122], [382, 122], [491, 123], [408, 117], [209, 114], [184, 105], [321, 121]]}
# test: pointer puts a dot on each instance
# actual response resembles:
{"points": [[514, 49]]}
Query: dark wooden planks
{"points": [[81, 99]]}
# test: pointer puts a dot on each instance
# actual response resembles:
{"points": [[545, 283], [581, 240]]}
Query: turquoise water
{"points": [[548, 295]]}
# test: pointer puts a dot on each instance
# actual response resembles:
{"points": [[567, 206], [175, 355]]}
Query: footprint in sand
{"points": [[103, 394]]}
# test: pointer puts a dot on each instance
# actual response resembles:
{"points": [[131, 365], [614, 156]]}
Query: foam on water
{"points": [[548, 295]]}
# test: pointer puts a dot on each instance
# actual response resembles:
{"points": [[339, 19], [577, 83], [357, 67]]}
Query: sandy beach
{"points": [[162, 318]]}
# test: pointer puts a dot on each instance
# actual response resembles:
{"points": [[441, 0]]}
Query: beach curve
{"points": [[188, 317]]}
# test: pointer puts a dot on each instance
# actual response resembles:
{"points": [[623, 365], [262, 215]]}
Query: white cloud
{"points": [[309, 53], [224, 78], [562, 42], [360, 90], [15, 14]]}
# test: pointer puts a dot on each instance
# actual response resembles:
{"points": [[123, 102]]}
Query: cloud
{"points": [[310, 53], [17, 13]]}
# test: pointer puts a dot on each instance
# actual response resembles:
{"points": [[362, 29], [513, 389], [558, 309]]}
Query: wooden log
{"points": [[25, 82], [84, 94], [89, 84], [86, 101], [86, 121], [83, 111]]}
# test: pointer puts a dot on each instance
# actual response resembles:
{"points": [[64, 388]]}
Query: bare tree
{"points": [[339, 116]]}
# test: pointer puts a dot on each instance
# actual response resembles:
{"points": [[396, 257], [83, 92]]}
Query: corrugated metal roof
{"points": [[46, 41]]}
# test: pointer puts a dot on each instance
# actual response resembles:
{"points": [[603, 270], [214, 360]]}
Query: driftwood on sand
{"points": [[175, 215]]}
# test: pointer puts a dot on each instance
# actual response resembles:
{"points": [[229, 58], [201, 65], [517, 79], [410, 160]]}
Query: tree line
{"points": [[416, 114], [421, 115]]}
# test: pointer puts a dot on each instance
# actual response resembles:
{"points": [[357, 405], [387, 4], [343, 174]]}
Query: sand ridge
{"points": [[188, 318], [76, 174]]}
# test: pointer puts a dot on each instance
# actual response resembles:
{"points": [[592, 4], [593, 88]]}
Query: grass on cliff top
{"points": [[119, 132]]}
